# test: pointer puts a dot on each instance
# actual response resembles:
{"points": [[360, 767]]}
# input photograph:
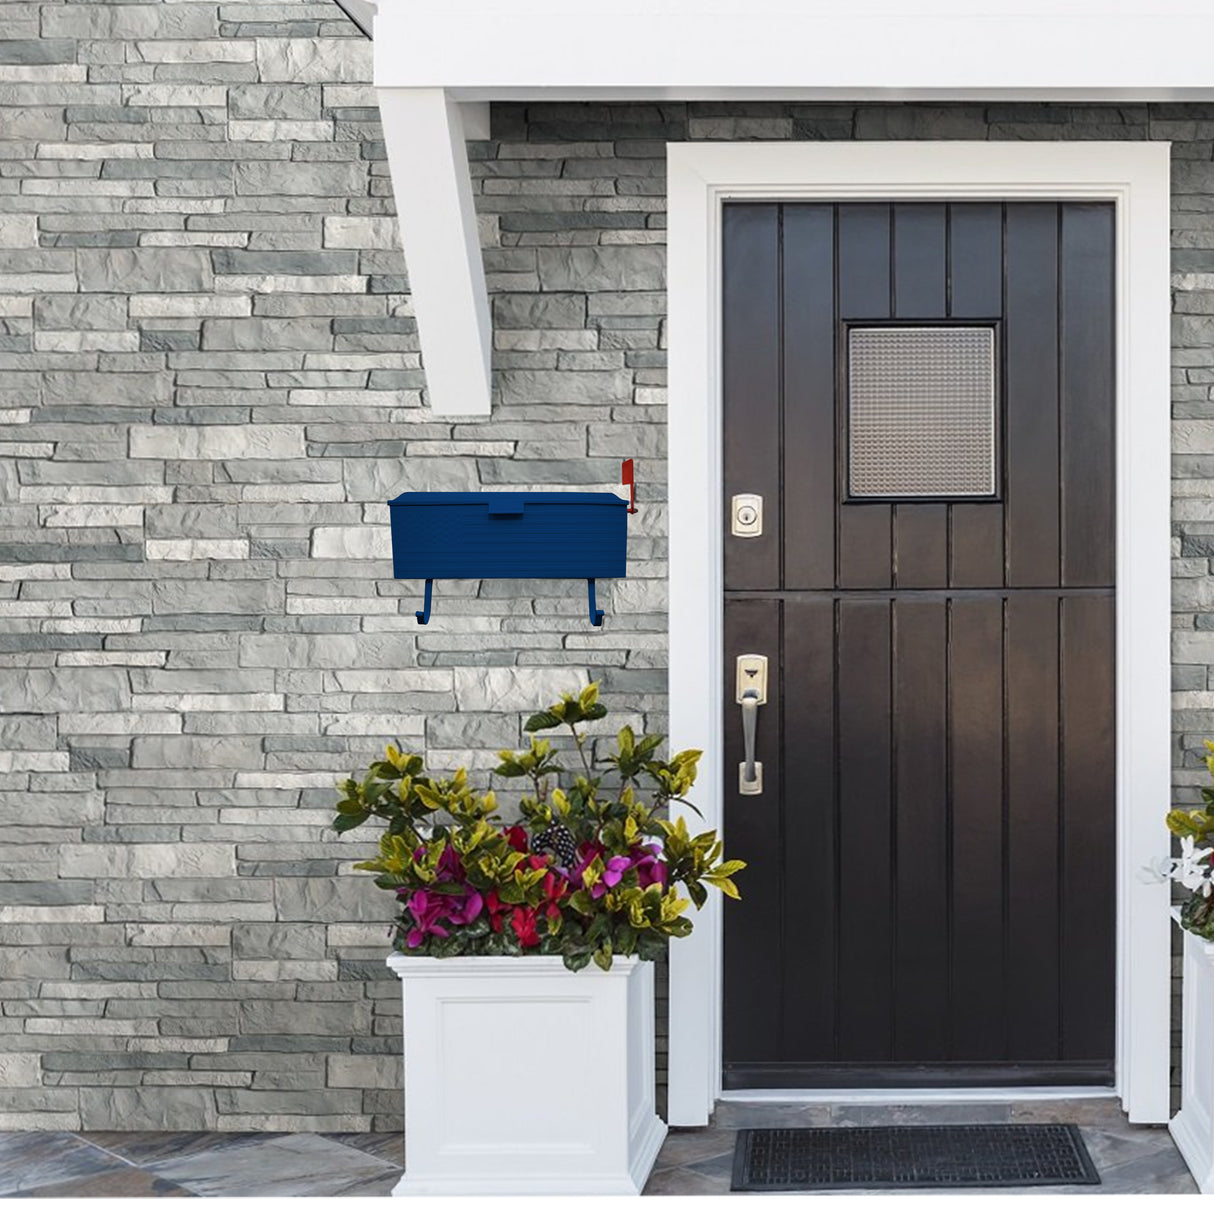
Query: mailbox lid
{"points": [[472, 499], [509, 535]]}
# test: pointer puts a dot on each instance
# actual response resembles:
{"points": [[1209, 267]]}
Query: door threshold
{"points": [[910, 1095]]}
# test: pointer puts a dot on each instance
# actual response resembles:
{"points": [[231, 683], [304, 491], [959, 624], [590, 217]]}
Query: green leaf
{"points": [[729, 867], [724, 884], [600, 926], [602, 955], [348, 821], [541, 720], [428, 798]]}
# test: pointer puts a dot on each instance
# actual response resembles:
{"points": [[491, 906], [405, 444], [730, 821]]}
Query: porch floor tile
{"points": [[1130, 1159]]}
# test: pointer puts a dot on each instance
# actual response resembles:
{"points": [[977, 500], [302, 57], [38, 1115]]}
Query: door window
{"points": [[921, 415]]}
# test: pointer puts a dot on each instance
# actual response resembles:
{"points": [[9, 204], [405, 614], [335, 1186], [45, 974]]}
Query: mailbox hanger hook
{"points": [[596, 616], [423, 616]]}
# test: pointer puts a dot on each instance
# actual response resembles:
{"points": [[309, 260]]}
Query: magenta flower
{"points": [[613, 871], [473, 904], [427, 909], [644, 859], [650, 869], [588, 852], [617, 866], [449, 866], [430, 911]]}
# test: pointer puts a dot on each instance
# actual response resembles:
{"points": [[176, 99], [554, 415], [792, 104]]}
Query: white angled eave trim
{"points": [[361, 12], [424, 133]]}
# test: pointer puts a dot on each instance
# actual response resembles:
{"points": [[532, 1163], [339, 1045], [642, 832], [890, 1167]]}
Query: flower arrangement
{"points": [[1193, 868], [586, 872]]}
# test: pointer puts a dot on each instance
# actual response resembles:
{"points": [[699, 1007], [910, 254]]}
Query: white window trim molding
{"points": [[1135, 176]]}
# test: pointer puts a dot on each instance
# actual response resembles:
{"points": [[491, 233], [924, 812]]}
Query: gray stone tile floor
{"points": [[1131, 1159]]}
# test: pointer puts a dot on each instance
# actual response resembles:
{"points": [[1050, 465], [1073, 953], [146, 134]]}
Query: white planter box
{"points": [[1193, 1126], [521, 1077]]}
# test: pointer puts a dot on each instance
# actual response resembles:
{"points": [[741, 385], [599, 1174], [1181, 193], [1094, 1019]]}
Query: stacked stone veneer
{"points": [[209, 385]]}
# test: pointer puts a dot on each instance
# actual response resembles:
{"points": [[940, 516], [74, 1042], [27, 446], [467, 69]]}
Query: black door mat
{"points": [[910, 1157]]}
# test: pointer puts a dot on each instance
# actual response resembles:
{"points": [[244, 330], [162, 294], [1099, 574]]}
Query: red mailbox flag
{"points": [[626, 477]]}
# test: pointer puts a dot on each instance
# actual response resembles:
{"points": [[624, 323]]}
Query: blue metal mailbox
{"points": [[509, 535]]}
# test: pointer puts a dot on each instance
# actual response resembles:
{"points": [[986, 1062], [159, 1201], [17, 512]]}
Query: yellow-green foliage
{"points": [[468, 883]]}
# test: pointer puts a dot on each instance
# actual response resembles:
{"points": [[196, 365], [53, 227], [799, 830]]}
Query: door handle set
{"points": [[751, 691]]}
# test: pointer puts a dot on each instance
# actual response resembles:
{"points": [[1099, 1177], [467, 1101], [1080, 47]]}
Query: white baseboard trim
{"points": [[910, 1095]]}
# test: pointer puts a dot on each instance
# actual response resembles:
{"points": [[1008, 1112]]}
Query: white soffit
{"points": [[814, 49], [439, 62]]}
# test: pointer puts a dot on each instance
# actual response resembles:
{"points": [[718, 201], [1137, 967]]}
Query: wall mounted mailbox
{"points": [[509, 535]]}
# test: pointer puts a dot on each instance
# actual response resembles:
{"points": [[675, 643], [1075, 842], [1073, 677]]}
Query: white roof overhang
{"points": [[432, 55]]}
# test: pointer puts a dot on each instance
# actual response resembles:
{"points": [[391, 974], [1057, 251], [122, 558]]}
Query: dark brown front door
{"points": [[922, 396]]}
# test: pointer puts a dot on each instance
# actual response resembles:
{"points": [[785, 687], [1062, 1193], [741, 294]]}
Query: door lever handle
{"points": [[751, 692], [750, 773]]}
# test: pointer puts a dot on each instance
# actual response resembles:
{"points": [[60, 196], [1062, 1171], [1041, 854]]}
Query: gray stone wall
{"points": [[209, 385]]}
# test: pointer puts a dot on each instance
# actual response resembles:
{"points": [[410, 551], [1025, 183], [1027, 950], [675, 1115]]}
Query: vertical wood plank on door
{"points": [[920, 262], [975, 256], [976, 1004], [751, 386], [810, 498], [1031, 408], [1088, 906], [865, 831], [1087, 372], [976, 549], [753, 927], [864, 261], [1032, 827], [865, 532], [921, 545], [920, 293], [921, 789], [809, 828], [865, 546]]}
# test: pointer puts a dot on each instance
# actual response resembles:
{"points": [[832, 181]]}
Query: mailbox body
{"points": [[509, 535]]}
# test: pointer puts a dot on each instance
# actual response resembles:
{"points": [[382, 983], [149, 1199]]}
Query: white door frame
{"points": [[1135, 176]]}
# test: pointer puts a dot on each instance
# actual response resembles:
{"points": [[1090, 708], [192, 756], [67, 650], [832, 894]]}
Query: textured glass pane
{"points": [[921, 412]]}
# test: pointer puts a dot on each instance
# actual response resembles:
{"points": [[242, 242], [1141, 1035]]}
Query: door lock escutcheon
{"points": [[747, 514], [751, 691]]}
